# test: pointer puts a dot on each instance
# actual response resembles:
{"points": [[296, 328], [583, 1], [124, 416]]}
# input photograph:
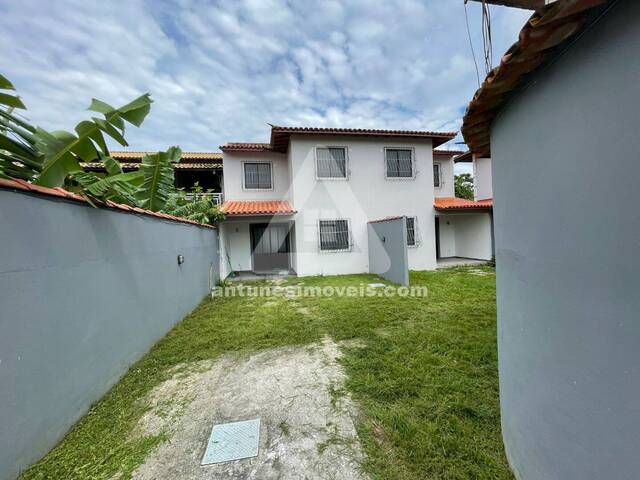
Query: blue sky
{"points": [[221, 71]]}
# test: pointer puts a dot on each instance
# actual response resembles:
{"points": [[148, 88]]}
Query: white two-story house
{"points": [[301, 202]]}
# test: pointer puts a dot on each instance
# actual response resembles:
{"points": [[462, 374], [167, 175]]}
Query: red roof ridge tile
{"points": [[21, 185], [385, 219]]}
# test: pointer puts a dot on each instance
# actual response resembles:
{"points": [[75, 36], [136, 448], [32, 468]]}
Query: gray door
{"points": [[270, 247]]}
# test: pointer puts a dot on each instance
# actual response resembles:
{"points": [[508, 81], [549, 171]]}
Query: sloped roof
{"points": [[257, 207], [23, 186], [186, 157], [455, 203], [545, 33], [280, 137]]}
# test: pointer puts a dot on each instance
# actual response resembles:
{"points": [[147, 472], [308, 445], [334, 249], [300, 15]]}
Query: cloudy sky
{"points": [[220, 71]]}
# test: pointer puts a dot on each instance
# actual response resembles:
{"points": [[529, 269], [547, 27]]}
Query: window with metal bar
{"points": [[257, 175], [334, 234], [411, 231], [436, 175], [331, 162], [399, 162]]}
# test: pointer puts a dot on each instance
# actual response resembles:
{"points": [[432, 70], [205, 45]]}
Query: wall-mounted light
{"points": [[180, 259]]}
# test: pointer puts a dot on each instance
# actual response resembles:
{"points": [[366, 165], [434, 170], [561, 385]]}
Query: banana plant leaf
{"points": [[158, 177]]}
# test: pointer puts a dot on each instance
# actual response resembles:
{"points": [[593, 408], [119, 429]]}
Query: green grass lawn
{"points": [[423, 373]]}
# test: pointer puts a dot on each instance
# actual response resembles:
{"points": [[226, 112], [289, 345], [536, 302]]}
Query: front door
{"points": [[270, 246]]}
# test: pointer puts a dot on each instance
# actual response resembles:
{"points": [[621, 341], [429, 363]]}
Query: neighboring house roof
{"points": [[66, 195], [246, 147], [464, 157], [188, 161], [257, 207], [455, 203], [448, 153], [280, 137], [546, 33], [186, 157]]}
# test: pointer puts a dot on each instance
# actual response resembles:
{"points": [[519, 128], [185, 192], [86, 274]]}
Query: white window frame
{"points": [[416, 233], [244, 187], [349, 236], [347, 172], [440, 182], [414, 170]]}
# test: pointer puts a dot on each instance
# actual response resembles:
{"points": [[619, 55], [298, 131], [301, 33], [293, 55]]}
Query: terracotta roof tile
{"points": [[257, 207], [545, 32], [246, 147], [99, 166], [62, 193], [454, 203], [280, 135], [187, 157]]}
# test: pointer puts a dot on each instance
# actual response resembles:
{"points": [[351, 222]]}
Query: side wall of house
{"points": [[447, 186], [567, 243], [85, 292], [366, 195], [482, 180]]}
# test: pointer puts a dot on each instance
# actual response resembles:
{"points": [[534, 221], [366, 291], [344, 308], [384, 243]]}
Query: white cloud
{"points": [[220, 72]]}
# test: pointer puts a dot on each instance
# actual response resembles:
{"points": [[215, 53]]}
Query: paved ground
{"points": [[458, 262], [307, 419]]}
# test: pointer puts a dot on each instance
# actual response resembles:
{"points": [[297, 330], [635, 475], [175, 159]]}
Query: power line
{"points": [[473, 53]]}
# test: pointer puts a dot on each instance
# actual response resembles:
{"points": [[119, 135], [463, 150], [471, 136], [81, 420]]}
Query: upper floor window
{"points": [[411, 232], [437, 180], [399, 162], [331, 162], [257, 176], [334, 235]]}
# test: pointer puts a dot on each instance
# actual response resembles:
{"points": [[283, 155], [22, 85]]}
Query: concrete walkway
{"points": [[458, 262], [307, 428]]}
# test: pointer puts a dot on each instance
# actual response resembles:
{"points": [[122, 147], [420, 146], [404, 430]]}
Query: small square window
{"points": [[257, 176], [411, 231], [331, 162], [436, 175], [334, 235], [399, 162]]}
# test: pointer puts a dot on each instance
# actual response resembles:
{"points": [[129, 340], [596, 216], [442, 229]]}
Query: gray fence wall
{"points": [[388, 255], [567, 242], [84, 293]]}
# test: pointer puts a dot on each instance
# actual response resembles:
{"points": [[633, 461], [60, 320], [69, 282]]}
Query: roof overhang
{"points": [[526, 4], [549, 31], [257, 208], [280, 135]]}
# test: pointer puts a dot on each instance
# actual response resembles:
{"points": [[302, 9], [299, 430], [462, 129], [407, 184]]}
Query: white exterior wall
{"points": [[447, 184], [234, 176], [365, 195], [466, 235], [482, 186], [447, 237]]}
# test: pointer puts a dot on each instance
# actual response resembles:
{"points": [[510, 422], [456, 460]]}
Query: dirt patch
{"points": [[307, 417]]}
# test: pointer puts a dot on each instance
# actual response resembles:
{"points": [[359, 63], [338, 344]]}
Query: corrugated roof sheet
{"points": [[62, 193], [455, 203], [257, 207], [544, 33]]}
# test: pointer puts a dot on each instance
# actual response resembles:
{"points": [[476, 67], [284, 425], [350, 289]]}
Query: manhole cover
{"points": [[232, 441]]}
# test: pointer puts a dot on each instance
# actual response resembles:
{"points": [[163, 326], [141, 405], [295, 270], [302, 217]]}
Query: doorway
{"points": [[437, 237], [270, 246]]}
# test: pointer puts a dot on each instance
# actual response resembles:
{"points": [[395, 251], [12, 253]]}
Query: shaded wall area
{"points": [[85, 292], [567, 242], [388, 255]]}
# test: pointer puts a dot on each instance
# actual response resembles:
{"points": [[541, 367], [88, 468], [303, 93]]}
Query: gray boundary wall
{"points": [[388, 256], [567, 243], [84, 293]]}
